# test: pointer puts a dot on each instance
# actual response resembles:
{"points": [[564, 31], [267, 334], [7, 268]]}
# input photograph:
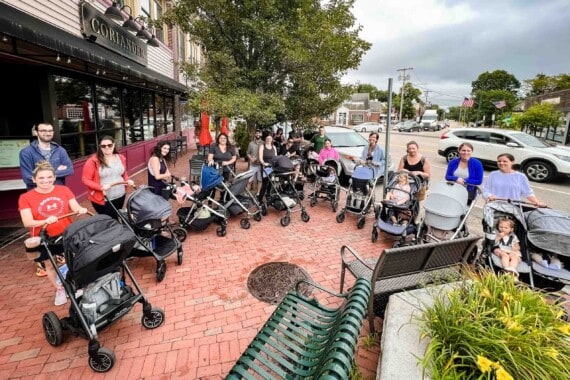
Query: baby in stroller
{"points": [[326, 185], [399, 195]]}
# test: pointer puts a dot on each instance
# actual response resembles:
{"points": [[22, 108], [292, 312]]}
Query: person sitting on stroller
{"points": [[400, 195], [507, 245]]}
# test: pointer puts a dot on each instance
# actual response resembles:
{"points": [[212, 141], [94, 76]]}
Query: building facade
{"points": [[89, 72]]}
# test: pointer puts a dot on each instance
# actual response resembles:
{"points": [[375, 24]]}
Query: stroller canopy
{"points": [[283, 164], [447, 199], [210, 178], [549, 230], [144, 205], [363, 172], [491, 210]]}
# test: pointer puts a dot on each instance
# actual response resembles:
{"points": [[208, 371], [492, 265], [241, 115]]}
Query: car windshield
{"points": [[529, 140], [347, 139]]}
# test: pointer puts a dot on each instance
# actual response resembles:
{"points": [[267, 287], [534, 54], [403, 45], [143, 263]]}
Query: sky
{"points": [[449, 43]]}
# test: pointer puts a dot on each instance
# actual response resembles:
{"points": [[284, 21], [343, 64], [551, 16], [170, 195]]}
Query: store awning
{"points": [[22, 26]]}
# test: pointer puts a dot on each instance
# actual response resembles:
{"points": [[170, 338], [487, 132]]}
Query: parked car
{"points": [[539, 161], [408, 126], [369, 126], [349, 144]]}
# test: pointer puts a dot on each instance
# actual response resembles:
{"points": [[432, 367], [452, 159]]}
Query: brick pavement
{"points": [[210, 315]]}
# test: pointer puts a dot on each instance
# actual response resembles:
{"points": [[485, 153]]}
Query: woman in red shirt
{"points": [[45, 204]]}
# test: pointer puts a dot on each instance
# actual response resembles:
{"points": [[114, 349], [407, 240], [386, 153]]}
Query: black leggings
{"points": [[107, 208]]}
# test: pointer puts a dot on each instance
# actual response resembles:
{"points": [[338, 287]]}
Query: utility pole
{"points": [[403, 77]]}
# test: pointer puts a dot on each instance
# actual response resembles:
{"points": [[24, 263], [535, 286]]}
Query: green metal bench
{"points": [[303, 339]]}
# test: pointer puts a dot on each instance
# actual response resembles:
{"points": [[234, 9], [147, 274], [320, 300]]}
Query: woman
{"points": [[267, 153], [290, 149], [101, 170], [328, 152], [279, 139], [465, 170], [157, 167], [506, 183], [44, 205], [222, 154], [374, 155], [415, 163]]}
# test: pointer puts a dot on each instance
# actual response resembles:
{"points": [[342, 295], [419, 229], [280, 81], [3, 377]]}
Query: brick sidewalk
{"points": [[210, 314]]}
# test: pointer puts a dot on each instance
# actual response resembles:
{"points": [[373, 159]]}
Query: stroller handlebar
{"points": [[58, 218]]}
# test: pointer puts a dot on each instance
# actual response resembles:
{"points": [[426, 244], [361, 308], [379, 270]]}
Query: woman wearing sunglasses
{"points": [[101, 171]]}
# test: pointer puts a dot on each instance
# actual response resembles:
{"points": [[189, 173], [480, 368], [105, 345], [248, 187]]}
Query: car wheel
{"points": [[379, 130], [450, 154], [539, 171], [363, 129]]}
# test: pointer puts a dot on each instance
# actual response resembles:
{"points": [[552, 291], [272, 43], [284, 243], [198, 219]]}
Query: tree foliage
{"points": [[484, 106], [544, 84], [411, 95], [271, 60], [375, 93], [539, 116], [496, 80]]}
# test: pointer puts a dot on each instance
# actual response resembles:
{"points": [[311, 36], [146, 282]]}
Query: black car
{"points": [[409, 126]]}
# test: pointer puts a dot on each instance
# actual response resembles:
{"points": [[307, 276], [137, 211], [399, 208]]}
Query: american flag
{"points": [[468, 103], [500, 104]]}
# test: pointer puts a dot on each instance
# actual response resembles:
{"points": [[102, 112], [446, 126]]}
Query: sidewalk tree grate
{"points": [[270, 282]]}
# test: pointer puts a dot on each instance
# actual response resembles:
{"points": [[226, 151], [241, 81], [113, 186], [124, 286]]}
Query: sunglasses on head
{"points": [[106, 145]]}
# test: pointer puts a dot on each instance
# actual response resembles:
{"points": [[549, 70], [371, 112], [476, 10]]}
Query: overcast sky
{"points": [[450, 42]]}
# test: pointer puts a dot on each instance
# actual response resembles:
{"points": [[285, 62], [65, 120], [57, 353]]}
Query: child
{"points": [[507, 245], [400, 194]]}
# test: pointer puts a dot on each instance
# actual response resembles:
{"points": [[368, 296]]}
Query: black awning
{"points": [[20, 25]]}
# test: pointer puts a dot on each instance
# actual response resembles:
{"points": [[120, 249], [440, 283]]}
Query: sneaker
{"points": [[40, 270], [60, 296]]}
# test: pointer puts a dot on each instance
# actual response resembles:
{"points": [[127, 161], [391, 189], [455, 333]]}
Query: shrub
{"points": [[494, 328]]}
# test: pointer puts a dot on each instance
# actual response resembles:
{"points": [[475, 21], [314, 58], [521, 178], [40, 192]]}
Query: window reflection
{"points": [[109, 113], [132, 115], [148, 116]]}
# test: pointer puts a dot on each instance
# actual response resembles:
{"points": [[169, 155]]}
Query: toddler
{"points": [[507, 245], [400, 194]]}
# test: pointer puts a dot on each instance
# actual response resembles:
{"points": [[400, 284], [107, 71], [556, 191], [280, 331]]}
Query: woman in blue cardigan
{"points": [[465, 170]]}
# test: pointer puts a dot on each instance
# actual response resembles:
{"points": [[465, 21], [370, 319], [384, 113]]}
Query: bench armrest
{"points": [[313, 284], [344, 254]]}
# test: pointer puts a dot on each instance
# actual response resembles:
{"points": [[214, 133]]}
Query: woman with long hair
{"points": [[101, 171], [222, 153], [44, 205], [157, 166]]}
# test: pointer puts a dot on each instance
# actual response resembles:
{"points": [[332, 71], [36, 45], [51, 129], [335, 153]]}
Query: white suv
{"points": [[539, 161]]}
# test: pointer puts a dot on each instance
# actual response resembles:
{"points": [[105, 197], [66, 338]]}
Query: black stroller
{"points": [[94, 250], [237, 199], [398, 219], [360, 197], [147, 216], [282, 194], [326, 185]]}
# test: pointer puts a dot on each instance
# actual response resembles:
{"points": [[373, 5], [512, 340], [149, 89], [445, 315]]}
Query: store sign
{"points": [[107, 33]]}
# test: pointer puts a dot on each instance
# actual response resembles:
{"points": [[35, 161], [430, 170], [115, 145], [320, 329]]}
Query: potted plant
{"points": [[495, 328]]}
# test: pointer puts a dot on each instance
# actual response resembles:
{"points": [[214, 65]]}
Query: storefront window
{"points": [[132, 115], [149, 121], [76, 117], [109, 113], [169, 114]]}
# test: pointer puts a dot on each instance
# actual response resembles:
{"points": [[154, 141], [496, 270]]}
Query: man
{"points": [[290, 149], [253, 158], [319, 140], [44, 149]]}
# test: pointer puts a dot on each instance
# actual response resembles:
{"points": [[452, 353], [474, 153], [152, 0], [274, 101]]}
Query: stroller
{"points": [[204, 208], [237, 198], [326, 185], [360, 198], [542, 233], [94, 250], [446, 212], [398, 219], [147, 216], [282, 194]]}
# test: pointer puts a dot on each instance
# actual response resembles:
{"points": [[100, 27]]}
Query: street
{"points": [[555, 194]]}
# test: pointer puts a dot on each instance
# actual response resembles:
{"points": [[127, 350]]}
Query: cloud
{"points": [[449, 43]]}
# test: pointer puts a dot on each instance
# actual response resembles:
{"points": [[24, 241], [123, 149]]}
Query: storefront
{"points": [[90, 83]]}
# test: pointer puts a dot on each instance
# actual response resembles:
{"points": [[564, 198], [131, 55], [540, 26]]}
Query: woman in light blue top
{"points": [[374, 155]]}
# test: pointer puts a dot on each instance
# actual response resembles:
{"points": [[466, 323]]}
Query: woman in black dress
{"points": [[222, 154]]}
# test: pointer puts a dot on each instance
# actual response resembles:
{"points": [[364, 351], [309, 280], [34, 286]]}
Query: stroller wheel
{"points": [[377, 211], [334, 206], [221, 231], [374, 235], [160, 270], [257, 216], [360, 224], [313, 201], [180, 257], [263, 209], [52, 328], [180, 234], [340, 217], [154, 319], [104, 361], [305, 217], [244, 223], [285, 220]]}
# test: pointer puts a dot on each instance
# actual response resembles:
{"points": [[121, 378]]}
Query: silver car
{"points": [[349, 145]]}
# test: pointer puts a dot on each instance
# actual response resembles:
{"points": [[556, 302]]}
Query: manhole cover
{"points": [[270, 282]]}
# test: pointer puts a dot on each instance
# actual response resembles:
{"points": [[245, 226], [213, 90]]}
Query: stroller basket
{"points": [[198, 224], [95, 246]]}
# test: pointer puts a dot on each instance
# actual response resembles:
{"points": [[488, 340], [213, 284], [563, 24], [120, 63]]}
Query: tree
{"points": [[453, 113], [544, 84], [539, 116], [411, 95], [375, 94], [271, 60], [484, 106], [496, 80]]}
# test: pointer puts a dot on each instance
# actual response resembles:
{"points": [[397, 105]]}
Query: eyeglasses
{"points": [[45, 130], [106, 145]]}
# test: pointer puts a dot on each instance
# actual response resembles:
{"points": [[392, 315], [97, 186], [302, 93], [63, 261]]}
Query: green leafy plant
{"points": [[370, 340], [494, 328]]}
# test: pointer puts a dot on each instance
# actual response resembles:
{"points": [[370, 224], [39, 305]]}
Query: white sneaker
{"points": [[60, 296]]}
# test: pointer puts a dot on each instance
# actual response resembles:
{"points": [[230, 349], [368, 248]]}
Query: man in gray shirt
{"points": [[253, 158]]}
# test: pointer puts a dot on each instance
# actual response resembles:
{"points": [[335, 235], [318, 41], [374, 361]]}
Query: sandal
{"points": [[60, 260], [40, 270]]}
